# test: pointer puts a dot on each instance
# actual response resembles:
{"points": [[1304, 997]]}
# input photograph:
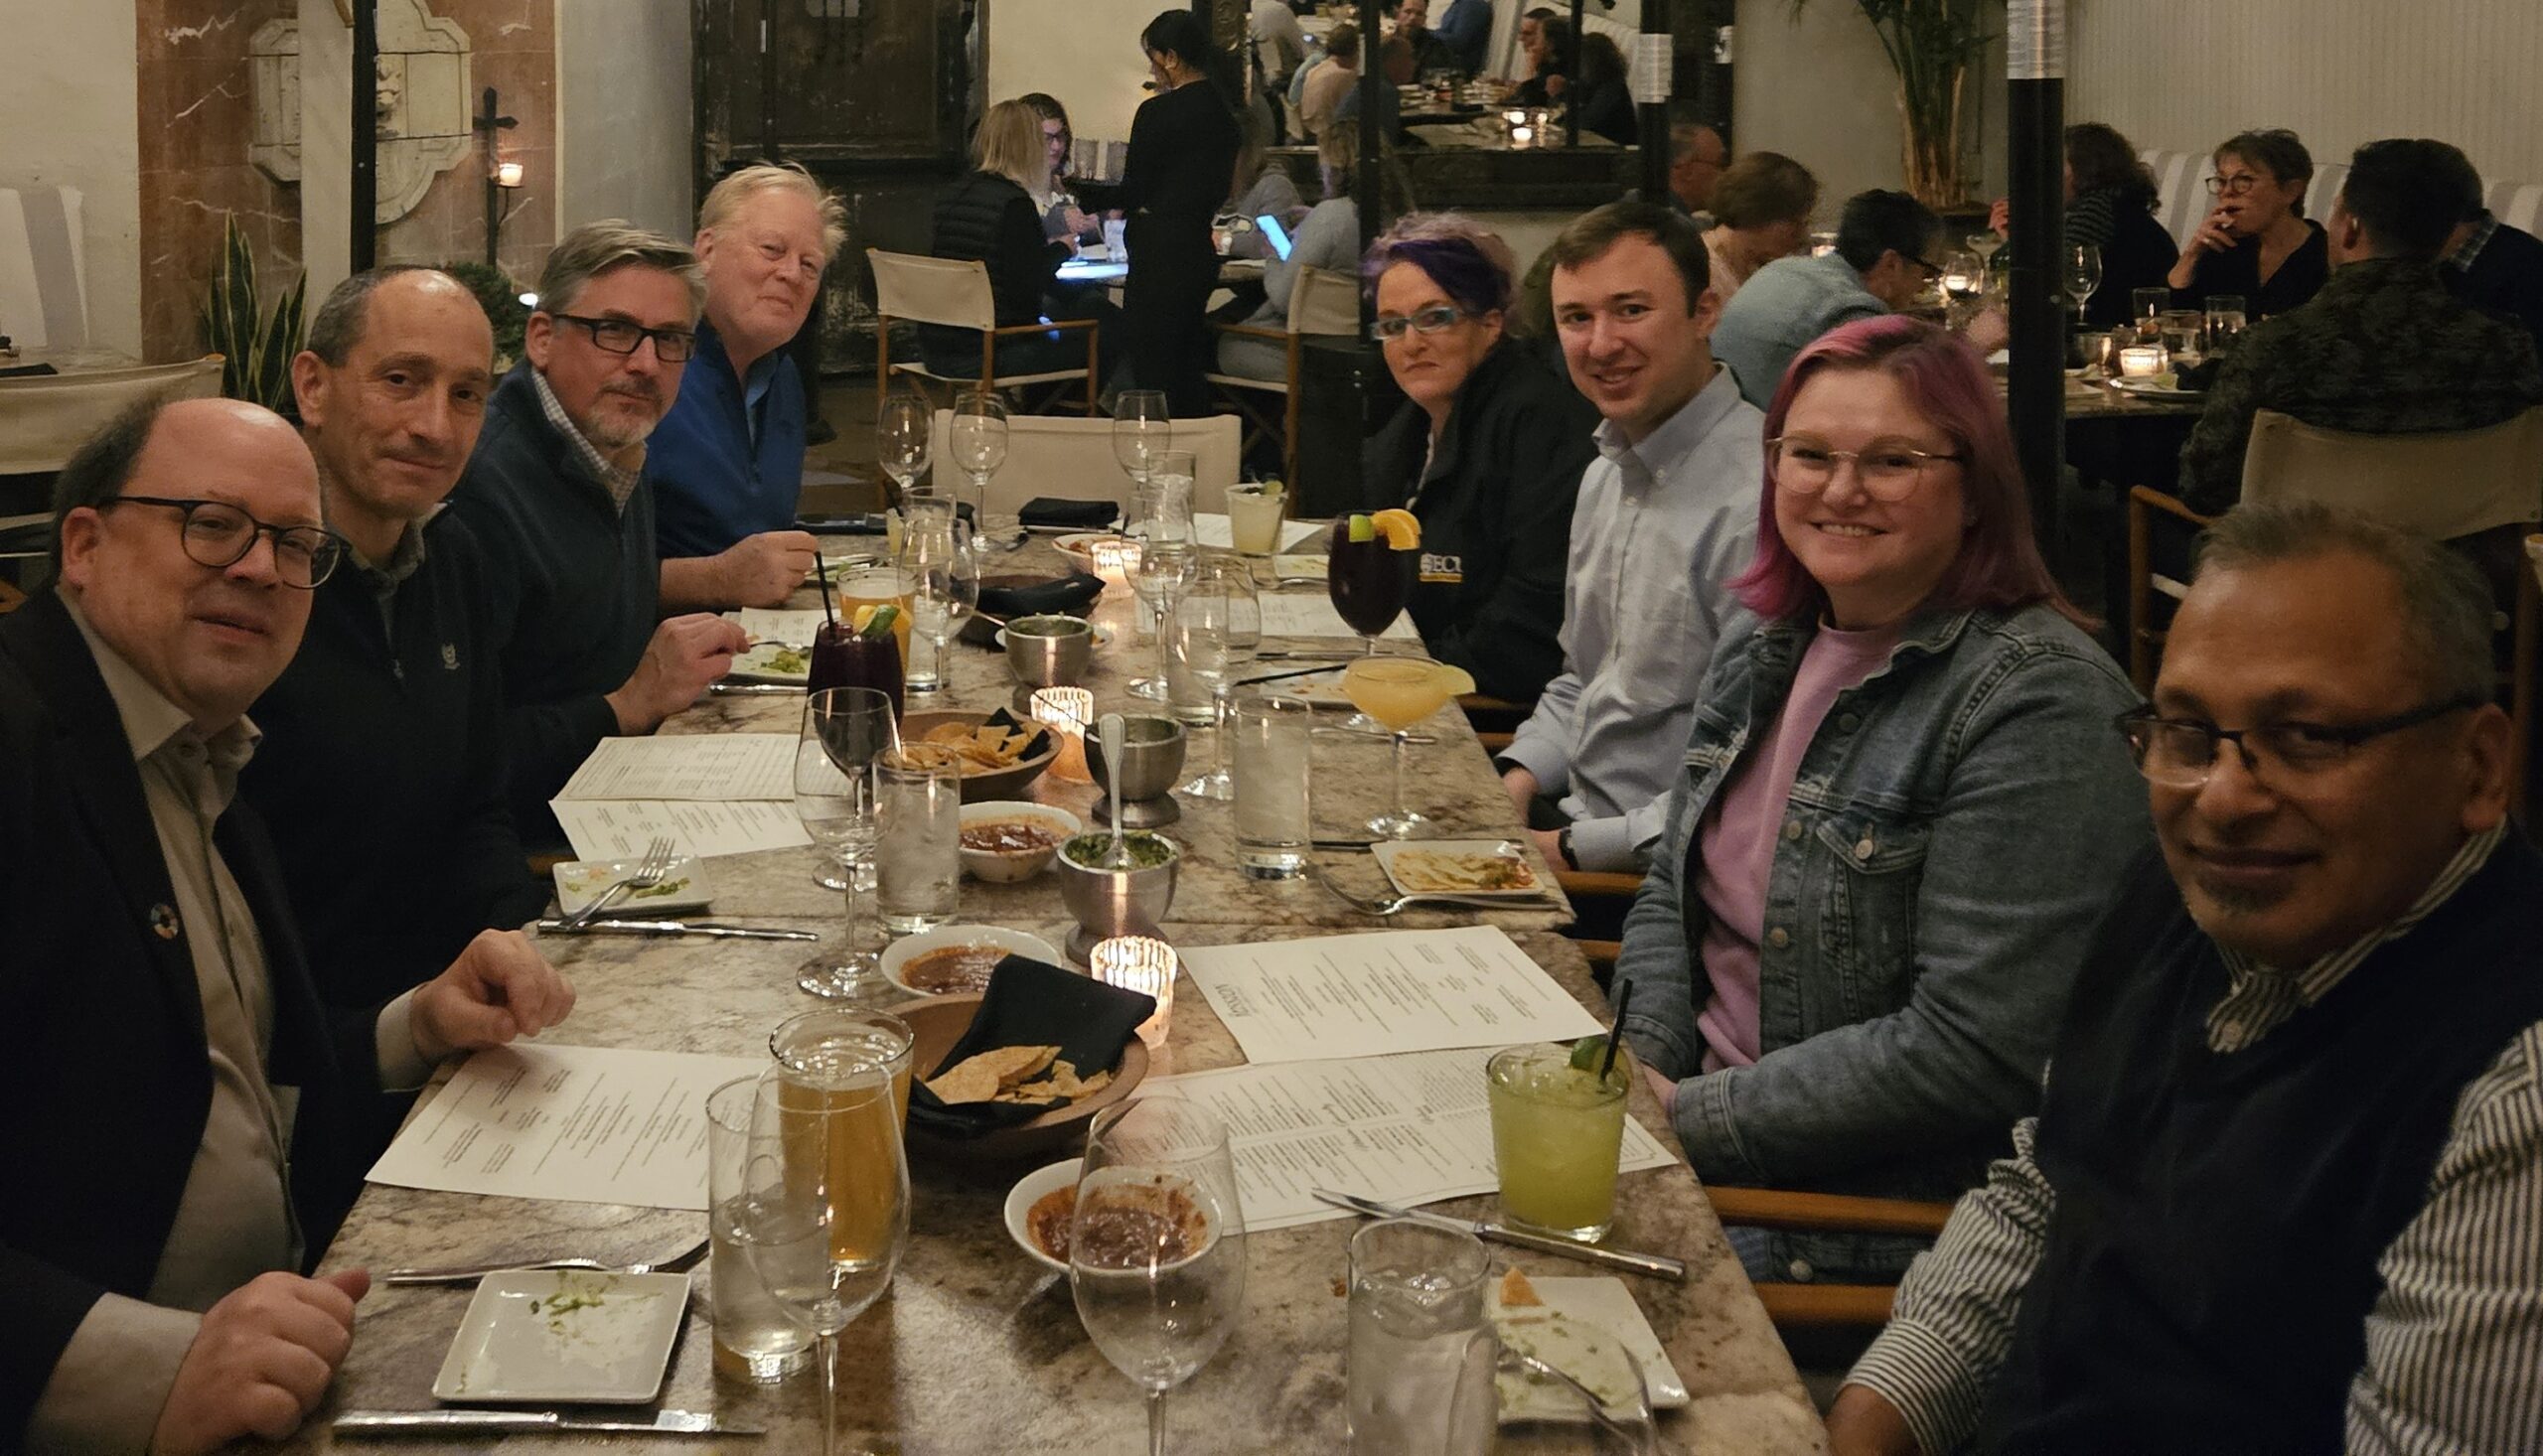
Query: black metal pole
{"points": [[1651, 124], [365, 138], [2036, 96], [493, 195], [1572, 84], [1367, 195]]}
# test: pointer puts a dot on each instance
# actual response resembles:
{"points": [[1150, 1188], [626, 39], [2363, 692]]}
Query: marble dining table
{"points": [[978, 1348]]}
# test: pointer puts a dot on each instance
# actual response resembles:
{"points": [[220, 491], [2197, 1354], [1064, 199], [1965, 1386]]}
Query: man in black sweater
{"points": [[397, 687], [2495, 268], [558, 498]]}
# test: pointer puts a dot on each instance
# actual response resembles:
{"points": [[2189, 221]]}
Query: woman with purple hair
{"points": [[1902, 809], [1487, 449]]}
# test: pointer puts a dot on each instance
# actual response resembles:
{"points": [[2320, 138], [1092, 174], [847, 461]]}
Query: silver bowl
{"points": [[1151, 762], [1049, 651], [1108, 902]]}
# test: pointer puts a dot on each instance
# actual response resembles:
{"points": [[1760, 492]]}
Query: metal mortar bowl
{"points": [[1049, 651], [1108, 902], [1151, 762]]}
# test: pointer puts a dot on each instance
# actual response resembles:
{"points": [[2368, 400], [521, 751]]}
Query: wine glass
{"points": [[1369, 583], [1984, 242], [902, 438], [942, 579], [844, 730], [1162, 556], [2083, 276], [824, 1207], [1218, 630], [1157, 1249], [977, 440], [1141, 431], [1398, 692]]}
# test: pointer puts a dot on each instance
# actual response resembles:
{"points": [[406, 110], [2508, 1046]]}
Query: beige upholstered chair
{"points": [[2448, 486], [1322, 301], [45, 417], [943, 291], [1056, 455]]}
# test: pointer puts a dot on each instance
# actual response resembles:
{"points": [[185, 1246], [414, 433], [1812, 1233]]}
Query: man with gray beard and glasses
{"points": [[556, 492]]}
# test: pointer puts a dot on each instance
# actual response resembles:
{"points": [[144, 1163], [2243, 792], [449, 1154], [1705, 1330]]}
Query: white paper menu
{"points": [[779, 624], [577, 1124], [1409, 1129], [1382, 992], [704, 766], [621, 828]]}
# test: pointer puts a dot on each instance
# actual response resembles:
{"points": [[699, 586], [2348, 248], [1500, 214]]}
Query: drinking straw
{"points": [[1616, 1031]]}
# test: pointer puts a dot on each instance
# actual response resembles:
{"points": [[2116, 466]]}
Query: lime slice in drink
{"points": [[1587, 1053], [1363, 529]]}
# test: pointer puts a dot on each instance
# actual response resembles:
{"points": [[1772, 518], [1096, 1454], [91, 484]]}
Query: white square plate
{"points": [[1456, 867], [772, 662], [683, 887], [564, 1335], [1604, 1305]]}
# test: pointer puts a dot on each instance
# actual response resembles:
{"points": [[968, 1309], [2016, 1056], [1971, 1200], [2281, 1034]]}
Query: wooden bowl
{"points": [[937, 1022], [1007, 783]]}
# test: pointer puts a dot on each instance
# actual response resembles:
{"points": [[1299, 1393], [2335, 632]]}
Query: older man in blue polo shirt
{"points": [[728, 462]]}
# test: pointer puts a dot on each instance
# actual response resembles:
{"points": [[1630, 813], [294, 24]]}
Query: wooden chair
{"points": [[956, 294], [2144, 639], [45, 419], [1061, 455], [1321, 302], [1808, 1306]]}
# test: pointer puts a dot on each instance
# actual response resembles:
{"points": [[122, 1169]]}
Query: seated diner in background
{"points": [[988, 215], [2383, 349], [727, 461], [1323, 83], [1696, 156], [1487, 449], [1062, 220], [1901, 810], [2281, 1192], [2491, 265], [1544, 39], [556, 495], [193, 1125], [2110, 207], [1327, 238], [2256, 244], [1761, 209], [1599, 93], [1258, 188]]}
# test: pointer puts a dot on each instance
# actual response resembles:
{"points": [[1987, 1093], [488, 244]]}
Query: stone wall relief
{"points": [[422, 90]]}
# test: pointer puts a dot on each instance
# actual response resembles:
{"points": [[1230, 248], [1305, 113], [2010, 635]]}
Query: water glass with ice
{"points": [[1423, 1351], [917, 856], [1273, 826]]}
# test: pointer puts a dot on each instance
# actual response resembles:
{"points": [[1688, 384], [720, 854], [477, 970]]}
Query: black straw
{"points": [[1615, 1033], [823, 574]]}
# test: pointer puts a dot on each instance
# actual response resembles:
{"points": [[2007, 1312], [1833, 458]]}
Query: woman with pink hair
{"points": [[1902, 808]]}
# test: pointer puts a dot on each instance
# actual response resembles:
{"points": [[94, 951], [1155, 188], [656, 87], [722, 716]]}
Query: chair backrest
{"points": [[43, 297], [1323, 301], [2446, 486], [44, 418], [933, 290], [1072, 458]]}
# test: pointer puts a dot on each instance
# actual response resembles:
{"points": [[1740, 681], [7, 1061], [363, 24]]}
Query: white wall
{"points": [[326, 146], [623, 114], [68, 117], [1084, 52], [2184, 74]]}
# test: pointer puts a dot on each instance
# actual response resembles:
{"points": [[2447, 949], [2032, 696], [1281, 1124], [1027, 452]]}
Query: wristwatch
{"points": [[1562, 848]]}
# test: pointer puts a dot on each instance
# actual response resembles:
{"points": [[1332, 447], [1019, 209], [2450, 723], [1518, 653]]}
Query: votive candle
{"points": [[1067, 711], [508, 173], [1138, 963], [1111, 557], [2141, 361]]}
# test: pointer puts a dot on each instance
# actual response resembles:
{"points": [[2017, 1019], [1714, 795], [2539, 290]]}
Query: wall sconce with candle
{"points": [[1067, 711], [500, 174], [507, 174], [1138, 963]]}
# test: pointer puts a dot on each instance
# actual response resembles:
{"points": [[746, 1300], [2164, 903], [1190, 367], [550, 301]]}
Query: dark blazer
{"points": [[103, 1057]]}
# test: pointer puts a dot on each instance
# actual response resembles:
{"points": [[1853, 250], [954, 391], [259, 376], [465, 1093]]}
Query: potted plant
{"points": [[1932, 45], [256, 345]]}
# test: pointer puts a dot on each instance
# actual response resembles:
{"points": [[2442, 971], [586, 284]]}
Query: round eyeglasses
{"points": [[1888, 471], [2180, 753], [218, 534]]}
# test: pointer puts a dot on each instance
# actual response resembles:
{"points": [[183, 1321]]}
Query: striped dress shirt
{"points": [[2454, 1344]]}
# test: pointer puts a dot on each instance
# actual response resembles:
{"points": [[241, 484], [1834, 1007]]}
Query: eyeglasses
{"points": [[2180, 753], [2236, 186], [1436, 318], [1885, 470], [617, 335], [1931, 271], [219, 535]]}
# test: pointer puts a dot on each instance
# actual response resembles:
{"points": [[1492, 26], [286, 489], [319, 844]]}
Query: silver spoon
{"points": [[1114, 735]]}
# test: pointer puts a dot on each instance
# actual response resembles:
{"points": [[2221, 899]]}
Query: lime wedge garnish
{"points": [[881, 623], [1363, 529], [1587, 1053]]}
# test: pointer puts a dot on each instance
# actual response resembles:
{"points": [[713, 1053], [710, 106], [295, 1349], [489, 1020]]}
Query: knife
{"points": [[443, 1422], [1640, 1263], [677, 928], [749, 689]]}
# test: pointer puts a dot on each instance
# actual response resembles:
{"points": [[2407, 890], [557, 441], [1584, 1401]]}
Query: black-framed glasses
{"points": [[2180, 753], [1888, 470], [1438, 318], [621, 335], [218, 534], [2236, 186], [1931, 270]]}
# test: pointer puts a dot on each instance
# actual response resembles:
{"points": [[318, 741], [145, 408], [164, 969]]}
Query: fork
{"points": [[1385, 905], [1635, 1428], [649, 872], [470, 1273]]}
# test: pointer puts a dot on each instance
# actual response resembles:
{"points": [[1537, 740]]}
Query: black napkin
{"points": [[1030, 1003], [1059, 510], [36, 370], [2197, 375], [1069, 596]]}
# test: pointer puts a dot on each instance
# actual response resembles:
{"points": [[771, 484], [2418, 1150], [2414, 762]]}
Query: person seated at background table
{"points": [[1666, 517], [988, 214], [557, 496], [187, 1134], [1544, 39], [1486, 450], [1696, 154], [1886, 244], [1412, 27], [1395, 67], [1062, 220], [1465, 33], [1258, 188], [2256, 244], [1280, 43], [397, 687], [1328, 238], [2110, 207], [727, 461], [2281, 1192], [1901, 809], [2495, 268], [1761, 211], [1328, 81], [1600, 92], [2383, 350]]}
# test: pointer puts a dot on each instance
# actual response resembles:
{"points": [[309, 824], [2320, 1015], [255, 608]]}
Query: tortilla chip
{"points": [[1517, 1293], [968, 1082]]}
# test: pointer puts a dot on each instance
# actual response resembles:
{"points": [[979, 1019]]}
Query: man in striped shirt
{"points": [[2285, 1191]]}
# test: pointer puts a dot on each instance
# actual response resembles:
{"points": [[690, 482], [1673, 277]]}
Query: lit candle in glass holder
{"points": [[508, 173], [1067, 711], [1138, 963], [2141, 361], [1111, 557]]}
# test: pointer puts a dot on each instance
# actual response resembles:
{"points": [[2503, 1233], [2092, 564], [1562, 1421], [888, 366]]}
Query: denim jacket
{"points": [[1953, 832]]}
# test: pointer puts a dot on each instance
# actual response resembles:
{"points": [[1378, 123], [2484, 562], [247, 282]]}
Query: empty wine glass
{"points": [[1984, 242], [824, 1206], [1162, 554], [2083, 277], [1218, 631], [844, 730], [1156, 1247], [941, 577], [978, 442], [902, 438], [1141, 431]]}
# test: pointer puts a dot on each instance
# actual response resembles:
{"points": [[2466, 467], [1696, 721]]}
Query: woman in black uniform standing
{"points": [[1182, 155]]}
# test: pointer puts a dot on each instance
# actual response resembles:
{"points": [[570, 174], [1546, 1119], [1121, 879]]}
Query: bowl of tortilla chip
{"points": [[1011, 1072], [995, 755]]}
